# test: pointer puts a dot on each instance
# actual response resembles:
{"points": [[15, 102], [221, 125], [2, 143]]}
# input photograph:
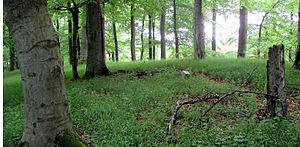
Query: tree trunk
{"points": [[242, 45], [132, 34], [276, 81], [150, 37], [83, 50], [297, 57], [70, 36], [199, 44], [47, 116], [95, 60], [73, 56], [162, 34], [12, 60], [113, 56], [214, 18], [153, 39], [175, 30], [142, 37], [57, 29], [116, 41], [102, 16]]}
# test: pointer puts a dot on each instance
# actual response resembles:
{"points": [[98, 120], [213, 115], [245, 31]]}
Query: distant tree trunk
{"points": [[116, 41], [47, 115], [73, 57], [276, 81], [297, 57], [113, 56], [153, 39], [17, 62], [12, 59], [78, 48], [132, 34], [83, 50], [102, 16], [57, 29], [142, 37], [175, 30], [214, 18], [95, 60], [199, 44], [242, 45], [70, 37], [162, 34], [259, 32], [291, 33], [150, 37]]}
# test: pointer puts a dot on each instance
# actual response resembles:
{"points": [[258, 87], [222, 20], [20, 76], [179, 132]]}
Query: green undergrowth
{"points": [[125, 109]]}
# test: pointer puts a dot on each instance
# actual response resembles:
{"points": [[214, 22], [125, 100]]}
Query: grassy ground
{"points": [[125, 109]]}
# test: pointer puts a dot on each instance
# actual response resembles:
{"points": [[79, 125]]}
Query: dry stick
{"points": [[227, 94]]}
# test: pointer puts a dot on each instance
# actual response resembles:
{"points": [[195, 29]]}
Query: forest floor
{"points": [[132, 107]]}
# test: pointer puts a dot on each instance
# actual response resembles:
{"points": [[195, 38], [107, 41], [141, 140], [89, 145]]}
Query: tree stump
{"points": [[276, 81]]}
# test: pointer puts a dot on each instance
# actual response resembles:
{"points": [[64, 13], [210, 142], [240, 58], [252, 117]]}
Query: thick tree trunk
{"points": [[47, 115], [175, 30], [83, 50], [95, 60], [214, 19], [116, 41], [142, 37], [12, 58], [73, 56], [132, 46], [162, 34], [276, 81], [242, 44], [153, 39], [199, 44], [297, 57], [102, 16], [150, 37]]}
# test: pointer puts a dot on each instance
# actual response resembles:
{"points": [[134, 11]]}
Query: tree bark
{"points": [[175, 30], [297, 57], [102, 16], [242, 44], [83, 50], [276, 81], [70, 36], [142, 37], [150, 37], [132, 33], [116, 41], [199, 40], [12, 58], [153, 39], [214, 19], [162, 34], [57, 29], [47, 113], [95, 60]]}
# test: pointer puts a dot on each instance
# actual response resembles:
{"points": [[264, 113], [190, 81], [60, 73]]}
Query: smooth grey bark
{"points": [[199, 40], [132, 45], [162, 34], [116, 41], [95, 60], [142, 37], [297, 57], [83, 49], [242, 43], [175, 31], [214, 19], [46, 107], [276, 81], [150, 38], [12, 58], [153, 26]]}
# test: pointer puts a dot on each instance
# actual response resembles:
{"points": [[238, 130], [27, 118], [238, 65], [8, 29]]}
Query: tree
{"points": [[214, 19], [150, 38], [116, 41], [95, 60], [142, 37], [199, 44], [162, 34], [242, 44], [153, 26], [132, 45], [47, 116], [175, 30], [12, 58], [83, 50], [297, 58]]}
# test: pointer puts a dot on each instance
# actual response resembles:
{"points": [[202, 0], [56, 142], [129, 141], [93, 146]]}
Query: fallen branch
{"points": [[205, 97]]}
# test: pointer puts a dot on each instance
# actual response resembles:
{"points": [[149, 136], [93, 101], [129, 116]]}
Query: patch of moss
{"points": [[69, 138]]}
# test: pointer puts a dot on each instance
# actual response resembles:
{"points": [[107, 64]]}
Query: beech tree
{"points": [[242, 43], [132, 22], [47, 116], [162, 34], [199, 42], [175, 30], [297, 58]]}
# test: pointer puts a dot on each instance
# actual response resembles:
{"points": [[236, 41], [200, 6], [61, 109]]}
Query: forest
{"points": [[151, 73]]}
